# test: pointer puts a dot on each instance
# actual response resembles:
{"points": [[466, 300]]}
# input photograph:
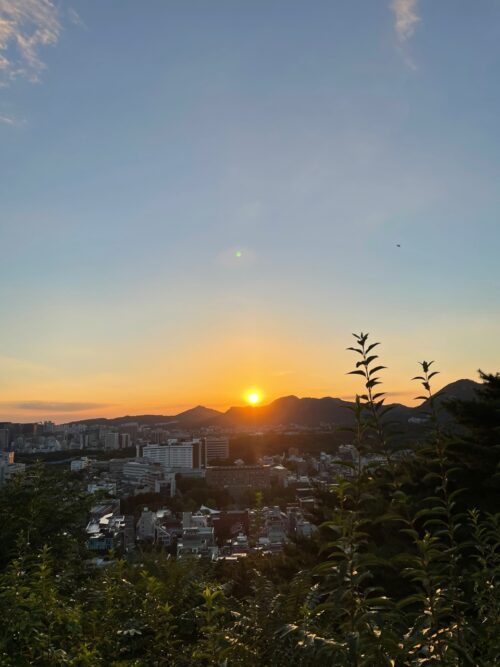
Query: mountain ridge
{"points": [[285, 410]]}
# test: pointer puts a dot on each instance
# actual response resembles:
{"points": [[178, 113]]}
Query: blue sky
{"points": [[143, 144]]}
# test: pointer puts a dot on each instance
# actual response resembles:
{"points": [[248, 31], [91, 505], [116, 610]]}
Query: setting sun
{"points": [[253, 398]]}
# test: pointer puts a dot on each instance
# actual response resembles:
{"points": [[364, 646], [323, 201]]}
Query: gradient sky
{"points": [[143, 144]]}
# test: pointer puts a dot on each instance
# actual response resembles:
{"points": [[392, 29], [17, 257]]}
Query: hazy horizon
{"points": [[65, 413], [203, 199]]}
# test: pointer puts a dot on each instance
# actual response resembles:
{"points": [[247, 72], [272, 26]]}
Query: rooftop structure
{"points": [[239, 477]]}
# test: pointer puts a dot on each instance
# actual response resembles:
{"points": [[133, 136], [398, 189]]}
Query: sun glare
{"points": [[253, 398]]}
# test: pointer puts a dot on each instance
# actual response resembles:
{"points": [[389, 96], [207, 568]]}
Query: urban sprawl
{"points": [[161, 458]]}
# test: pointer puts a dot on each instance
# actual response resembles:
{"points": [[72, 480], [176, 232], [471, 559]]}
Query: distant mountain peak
{"points": [[199, 413], [286, 399], [288, 410]]}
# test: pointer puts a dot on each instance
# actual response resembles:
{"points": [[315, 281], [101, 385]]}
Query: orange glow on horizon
{"points": [[219, 370]]}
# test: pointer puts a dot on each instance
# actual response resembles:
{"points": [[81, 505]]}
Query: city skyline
{"points": [[203, 200]]}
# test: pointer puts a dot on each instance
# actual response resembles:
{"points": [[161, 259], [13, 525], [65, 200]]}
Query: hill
{"points": [[288, 410], [188, 419], [461, 390]]}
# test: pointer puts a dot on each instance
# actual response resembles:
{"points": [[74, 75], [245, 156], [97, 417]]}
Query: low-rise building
{"points": [[229, 523], [279, 474], [102, 485], [80, 464], [198, 537], [106, 533], [141, 472], [240, 544], [275, 526], [146, 526], [239, 477]]}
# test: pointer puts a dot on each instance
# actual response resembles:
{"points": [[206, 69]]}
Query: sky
{"points": [[199, 198]]}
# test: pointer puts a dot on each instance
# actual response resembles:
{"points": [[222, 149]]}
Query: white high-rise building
{"points": [[178, 455]]}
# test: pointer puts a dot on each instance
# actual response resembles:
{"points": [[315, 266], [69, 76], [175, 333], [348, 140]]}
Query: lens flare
{"points": [[253, 398]]}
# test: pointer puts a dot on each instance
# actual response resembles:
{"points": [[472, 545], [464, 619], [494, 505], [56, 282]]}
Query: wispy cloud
{"points": [[54, 406], [75, 18], [25, 27], [406, 18], [10, 120], [7, 120]]}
